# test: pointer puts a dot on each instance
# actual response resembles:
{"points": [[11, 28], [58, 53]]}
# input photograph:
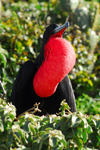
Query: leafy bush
{"points": [[72, 131], [88, 105]]}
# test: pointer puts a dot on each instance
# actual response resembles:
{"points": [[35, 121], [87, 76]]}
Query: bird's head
{"points": [[54, 30], [58, 60]]}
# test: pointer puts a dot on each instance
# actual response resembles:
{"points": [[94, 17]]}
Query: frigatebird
{"points": [[46, 79]]}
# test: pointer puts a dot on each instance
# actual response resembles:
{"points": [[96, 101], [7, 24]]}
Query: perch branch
{"points": [[35, 108]]}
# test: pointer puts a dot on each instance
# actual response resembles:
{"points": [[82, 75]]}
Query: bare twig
{"points": [[48, 9], [4, 92], [96, 99], [35, 108], [67, 18]]}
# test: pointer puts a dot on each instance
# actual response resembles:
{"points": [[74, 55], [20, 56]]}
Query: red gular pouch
{"points": [[59, 59]]}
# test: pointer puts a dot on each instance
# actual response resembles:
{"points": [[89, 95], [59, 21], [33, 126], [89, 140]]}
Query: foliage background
{"points": [[22, 26]]}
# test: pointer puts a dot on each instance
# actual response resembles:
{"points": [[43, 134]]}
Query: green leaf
{"points": [[9, 139], [45, 136], [53, 141], [89, 129], [79, 142], [3, 147], [3, 59], [1, 127], [85, 136], [98, 124], [75, 121], [32, 129], [79, 132], [64, 143]]}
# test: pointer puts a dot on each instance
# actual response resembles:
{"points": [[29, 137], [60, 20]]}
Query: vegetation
{"points": [[66, 132], [22, 24]]}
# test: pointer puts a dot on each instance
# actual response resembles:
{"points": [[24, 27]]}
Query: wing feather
{"points": [[21, 87]]}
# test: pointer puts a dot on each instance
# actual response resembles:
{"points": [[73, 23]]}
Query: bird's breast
{"points": [[59, 59]]}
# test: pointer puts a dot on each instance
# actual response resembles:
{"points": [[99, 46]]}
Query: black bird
{"points": [[46, 80]]}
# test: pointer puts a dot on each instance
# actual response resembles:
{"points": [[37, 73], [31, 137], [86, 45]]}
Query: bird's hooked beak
{"points": [[58, 31]]}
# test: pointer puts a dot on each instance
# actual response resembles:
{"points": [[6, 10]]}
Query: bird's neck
{"points": [[59, 59]]}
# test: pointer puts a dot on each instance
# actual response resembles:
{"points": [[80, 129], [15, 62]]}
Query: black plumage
{"points": [[23, 95]]}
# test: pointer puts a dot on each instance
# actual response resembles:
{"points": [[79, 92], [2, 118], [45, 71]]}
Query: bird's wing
{"points": [[22, 83], [67, 90]]}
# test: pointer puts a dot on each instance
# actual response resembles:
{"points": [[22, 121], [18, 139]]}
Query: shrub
{"points": [[71, 131]]}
